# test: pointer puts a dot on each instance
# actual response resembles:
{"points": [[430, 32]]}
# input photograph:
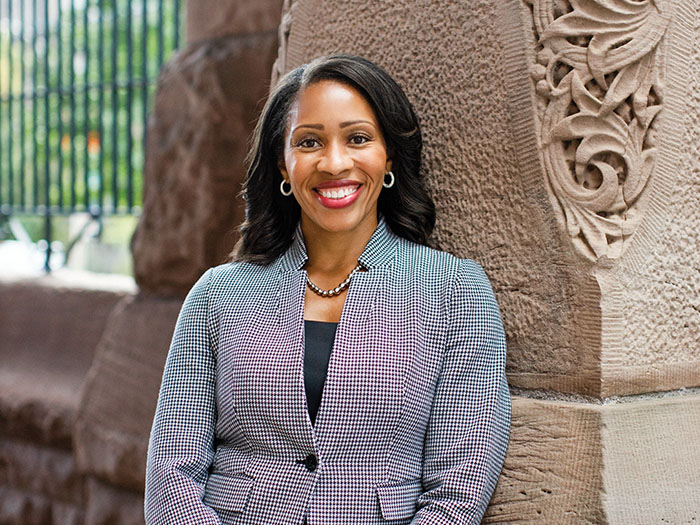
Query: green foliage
{"points": [[75, 89]]}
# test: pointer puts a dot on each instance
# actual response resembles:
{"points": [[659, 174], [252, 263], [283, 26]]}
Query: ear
{"points": [[388, 166], [283, 170]]}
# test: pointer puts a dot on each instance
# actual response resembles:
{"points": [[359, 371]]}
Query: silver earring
{"points": [[287, 193], [391, 180]]}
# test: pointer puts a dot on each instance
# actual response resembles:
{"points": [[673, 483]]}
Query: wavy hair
{"points": [[271, 218]]}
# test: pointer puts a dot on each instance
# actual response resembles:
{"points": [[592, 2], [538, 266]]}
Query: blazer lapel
{"points": [[355, 323], [264, 368], [358, 351]]}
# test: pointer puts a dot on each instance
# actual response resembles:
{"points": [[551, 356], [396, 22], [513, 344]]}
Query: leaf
{"points": [[627, 81], [583, 98]]}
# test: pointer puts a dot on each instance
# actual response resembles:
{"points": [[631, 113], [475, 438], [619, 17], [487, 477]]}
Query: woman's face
{"points": [[335, 159]]}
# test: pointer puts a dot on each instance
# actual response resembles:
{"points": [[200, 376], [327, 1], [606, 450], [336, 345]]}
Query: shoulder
{"points": [[462, 283], [430, 262], [234, 281], [226, 275]]}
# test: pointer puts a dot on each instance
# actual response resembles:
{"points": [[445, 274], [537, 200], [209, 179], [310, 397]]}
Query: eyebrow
{"points": [[351, 122], [342, 124]]}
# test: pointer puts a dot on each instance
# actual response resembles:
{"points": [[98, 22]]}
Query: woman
{"points": [[412, 426]]}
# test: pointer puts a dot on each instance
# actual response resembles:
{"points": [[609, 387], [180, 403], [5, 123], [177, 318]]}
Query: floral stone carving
{"points": [[598, 77]]}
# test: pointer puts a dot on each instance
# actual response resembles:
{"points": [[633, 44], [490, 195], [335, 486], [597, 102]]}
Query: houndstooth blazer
{"points": [[414, 420]]}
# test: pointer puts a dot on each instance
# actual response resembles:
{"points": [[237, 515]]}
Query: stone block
{"points": [[26, 508], [597, 283], [20, 508], [207, 102], [586, 463], [109, 505], [119, 398], [49, 328], [631, 212], [28, 416], [36, 469], [207, 19], [652, 460], [553, 471]]}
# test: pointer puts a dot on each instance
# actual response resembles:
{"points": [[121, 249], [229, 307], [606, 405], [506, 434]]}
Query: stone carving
{"points": [[598, 76]]}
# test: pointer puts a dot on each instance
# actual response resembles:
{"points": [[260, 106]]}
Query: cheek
{"points": [[292, 165], [379, 164]]}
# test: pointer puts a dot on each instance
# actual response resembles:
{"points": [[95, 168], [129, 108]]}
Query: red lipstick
{"points": [[338, 193]]}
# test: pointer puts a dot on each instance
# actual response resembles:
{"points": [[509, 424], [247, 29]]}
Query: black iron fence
{"points": [[76, 79]]}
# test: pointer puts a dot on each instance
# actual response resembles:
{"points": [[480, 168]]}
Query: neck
{"points": [[335, 253]]}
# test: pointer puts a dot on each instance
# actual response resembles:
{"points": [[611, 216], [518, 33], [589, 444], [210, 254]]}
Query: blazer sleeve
{"points": [[468, 432], [181, 445]]}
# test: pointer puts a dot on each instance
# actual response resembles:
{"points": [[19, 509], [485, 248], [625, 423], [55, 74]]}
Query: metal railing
{"points": [[76, 80]]}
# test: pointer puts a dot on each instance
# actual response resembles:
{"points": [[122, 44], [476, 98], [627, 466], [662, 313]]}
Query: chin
{"points": [[339, 224]]}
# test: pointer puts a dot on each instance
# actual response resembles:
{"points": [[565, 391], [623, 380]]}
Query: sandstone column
{"points": [[561, 147], [207, 101]]}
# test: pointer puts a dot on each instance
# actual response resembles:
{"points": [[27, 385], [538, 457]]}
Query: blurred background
{"points": [[77, 85]]}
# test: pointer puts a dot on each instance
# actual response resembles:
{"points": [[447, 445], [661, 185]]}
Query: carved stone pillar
{"points": [[562, 146], [613, 122]]}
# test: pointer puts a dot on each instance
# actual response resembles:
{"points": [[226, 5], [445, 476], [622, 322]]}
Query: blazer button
{"points": [[310, 462]]}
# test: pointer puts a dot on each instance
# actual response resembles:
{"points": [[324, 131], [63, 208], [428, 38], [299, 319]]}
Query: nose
{"points": [[335, 159]]}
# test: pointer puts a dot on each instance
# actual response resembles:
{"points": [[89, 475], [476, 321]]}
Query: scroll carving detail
{"points": [[598, 77]]}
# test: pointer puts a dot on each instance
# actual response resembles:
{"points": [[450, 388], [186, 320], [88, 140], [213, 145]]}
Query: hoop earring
{"points": [[391, 182], [285, 193]]}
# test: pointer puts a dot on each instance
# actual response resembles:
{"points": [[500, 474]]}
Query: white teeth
{"points": [[338, 193]]}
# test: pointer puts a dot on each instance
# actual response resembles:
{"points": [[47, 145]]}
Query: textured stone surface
{"points": [[654, 293], [652, 461], [39, 484], [119, 398], [207, 19], [27, 508], [205, 108], [40, 470], [645, 270], [49, 329], [581, 463], [553, 470], [596, 327], [598, 85], [29, 415], [18, 507]]}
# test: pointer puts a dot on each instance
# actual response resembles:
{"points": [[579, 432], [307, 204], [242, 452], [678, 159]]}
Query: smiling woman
{"points": [[338, 370]]}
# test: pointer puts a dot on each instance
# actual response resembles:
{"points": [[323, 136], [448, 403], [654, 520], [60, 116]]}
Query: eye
{"points": [[307, 142], [359, 139]]}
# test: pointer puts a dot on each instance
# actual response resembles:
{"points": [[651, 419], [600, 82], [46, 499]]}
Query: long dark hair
{"points": [[271, 218]]}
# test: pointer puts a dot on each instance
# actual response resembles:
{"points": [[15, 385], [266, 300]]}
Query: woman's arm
{"points": [[181, 446], [468, 432]]}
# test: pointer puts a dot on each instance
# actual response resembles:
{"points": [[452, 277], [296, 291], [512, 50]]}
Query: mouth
{"points": [[338, 194]]}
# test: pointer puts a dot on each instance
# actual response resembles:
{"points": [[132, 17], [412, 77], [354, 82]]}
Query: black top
{"points": [[319, 337]]}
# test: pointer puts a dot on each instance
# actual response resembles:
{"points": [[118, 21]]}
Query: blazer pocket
{"points": [[397, 501], [228, 492]]}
